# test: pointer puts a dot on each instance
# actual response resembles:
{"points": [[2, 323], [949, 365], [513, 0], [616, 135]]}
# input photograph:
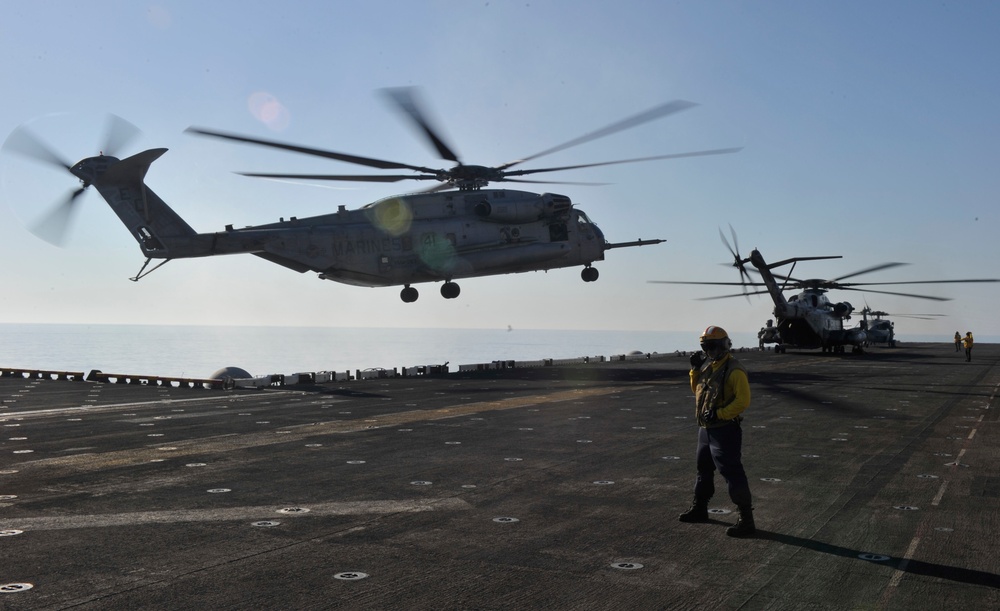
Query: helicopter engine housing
{"points": [[842, 309], [521, 211]]}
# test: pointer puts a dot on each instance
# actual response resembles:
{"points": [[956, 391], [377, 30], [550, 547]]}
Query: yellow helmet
{"points": [[715, 337], [713, 332]]}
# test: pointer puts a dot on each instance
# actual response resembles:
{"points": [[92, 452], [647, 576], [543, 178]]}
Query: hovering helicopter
{"points": [[455, 229], [809, 319]]}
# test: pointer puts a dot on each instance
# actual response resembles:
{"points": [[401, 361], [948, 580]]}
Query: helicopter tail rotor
{"points": [[738, 261], [53, 225]]}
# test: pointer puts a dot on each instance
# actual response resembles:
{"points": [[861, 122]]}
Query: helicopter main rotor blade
{"points": [[924, 282], [355, 159], [405, 99], [354, 178], [52, 227], [556, 182], [708, 283], [914, 295], [656, 112], [636, 160], [24, 142], [746, 294], [118, 133], [869, 270]]}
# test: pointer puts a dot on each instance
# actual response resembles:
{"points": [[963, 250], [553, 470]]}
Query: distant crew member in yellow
{"points": [[967, 343], [722, 391]]}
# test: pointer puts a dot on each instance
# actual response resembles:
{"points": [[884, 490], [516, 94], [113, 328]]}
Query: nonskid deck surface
{"points": [[875, 482]]}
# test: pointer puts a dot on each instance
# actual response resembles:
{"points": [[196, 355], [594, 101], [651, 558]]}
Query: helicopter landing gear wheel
{"points": [[408, 294], [589, 274], [450, 290]]}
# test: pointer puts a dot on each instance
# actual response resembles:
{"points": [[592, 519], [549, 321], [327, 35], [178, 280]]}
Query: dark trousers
{"points": [[722, 448]]}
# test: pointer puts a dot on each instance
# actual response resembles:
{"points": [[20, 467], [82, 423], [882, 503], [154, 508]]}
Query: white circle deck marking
{"points": [[626, 566], [350, 576], [873, 557], [219, 490], [8, 588], [506, 520]]}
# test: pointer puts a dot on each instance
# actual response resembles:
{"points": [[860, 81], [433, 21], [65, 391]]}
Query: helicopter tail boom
{"points": [[160, 232]]}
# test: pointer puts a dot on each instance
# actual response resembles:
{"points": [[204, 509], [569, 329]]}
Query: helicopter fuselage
{"points": [[811, 320], [396, 241], [431, 237]]}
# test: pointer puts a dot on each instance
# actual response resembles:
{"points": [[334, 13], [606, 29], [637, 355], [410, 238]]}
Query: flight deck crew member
{"points": [[967, 342], [722, 392], [958, 341]]}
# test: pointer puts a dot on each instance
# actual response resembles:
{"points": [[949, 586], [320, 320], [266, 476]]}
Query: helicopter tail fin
{"points": [[160, 232]]}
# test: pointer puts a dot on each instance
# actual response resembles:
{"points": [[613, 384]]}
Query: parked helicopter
{"points": [[882, 331], [437, 235], [809, 319], [768, 334]]}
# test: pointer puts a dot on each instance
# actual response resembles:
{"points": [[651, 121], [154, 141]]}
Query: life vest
{"points": [[710, 392]]}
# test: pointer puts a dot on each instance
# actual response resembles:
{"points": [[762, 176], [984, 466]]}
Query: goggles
{"points": [[712, 345]]}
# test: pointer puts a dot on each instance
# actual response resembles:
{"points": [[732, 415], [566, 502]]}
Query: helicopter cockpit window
{"points": [[581, 219]]}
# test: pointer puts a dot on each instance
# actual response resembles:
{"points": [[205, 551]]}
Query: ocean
{"points": [[197, 352], [200, 351]]}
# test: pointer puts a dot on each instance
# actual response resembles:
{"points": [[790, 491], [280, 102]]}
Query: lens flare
{"points": [[268, 110], [392, 216]]}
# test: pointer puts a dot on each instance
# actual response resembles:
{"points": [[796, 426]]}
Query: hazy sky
{"points": [[869, 128]]}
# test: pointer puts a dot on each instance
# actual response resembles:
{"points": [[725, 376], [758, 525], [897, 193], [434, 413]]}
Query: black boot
{"points": [[697, 513], [744, 527]]}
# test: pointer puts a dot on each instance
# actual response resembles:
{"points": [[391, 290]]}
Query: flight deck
{"points": [[875, 482]]}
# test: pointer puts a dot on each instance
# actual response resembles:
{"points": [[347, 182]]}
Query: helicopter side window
{"points": [[558, 232]]}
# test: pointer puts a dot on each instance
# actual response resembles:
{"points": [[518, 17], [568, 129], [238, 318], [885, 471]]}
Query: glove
{"points": [[697, 360]]}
